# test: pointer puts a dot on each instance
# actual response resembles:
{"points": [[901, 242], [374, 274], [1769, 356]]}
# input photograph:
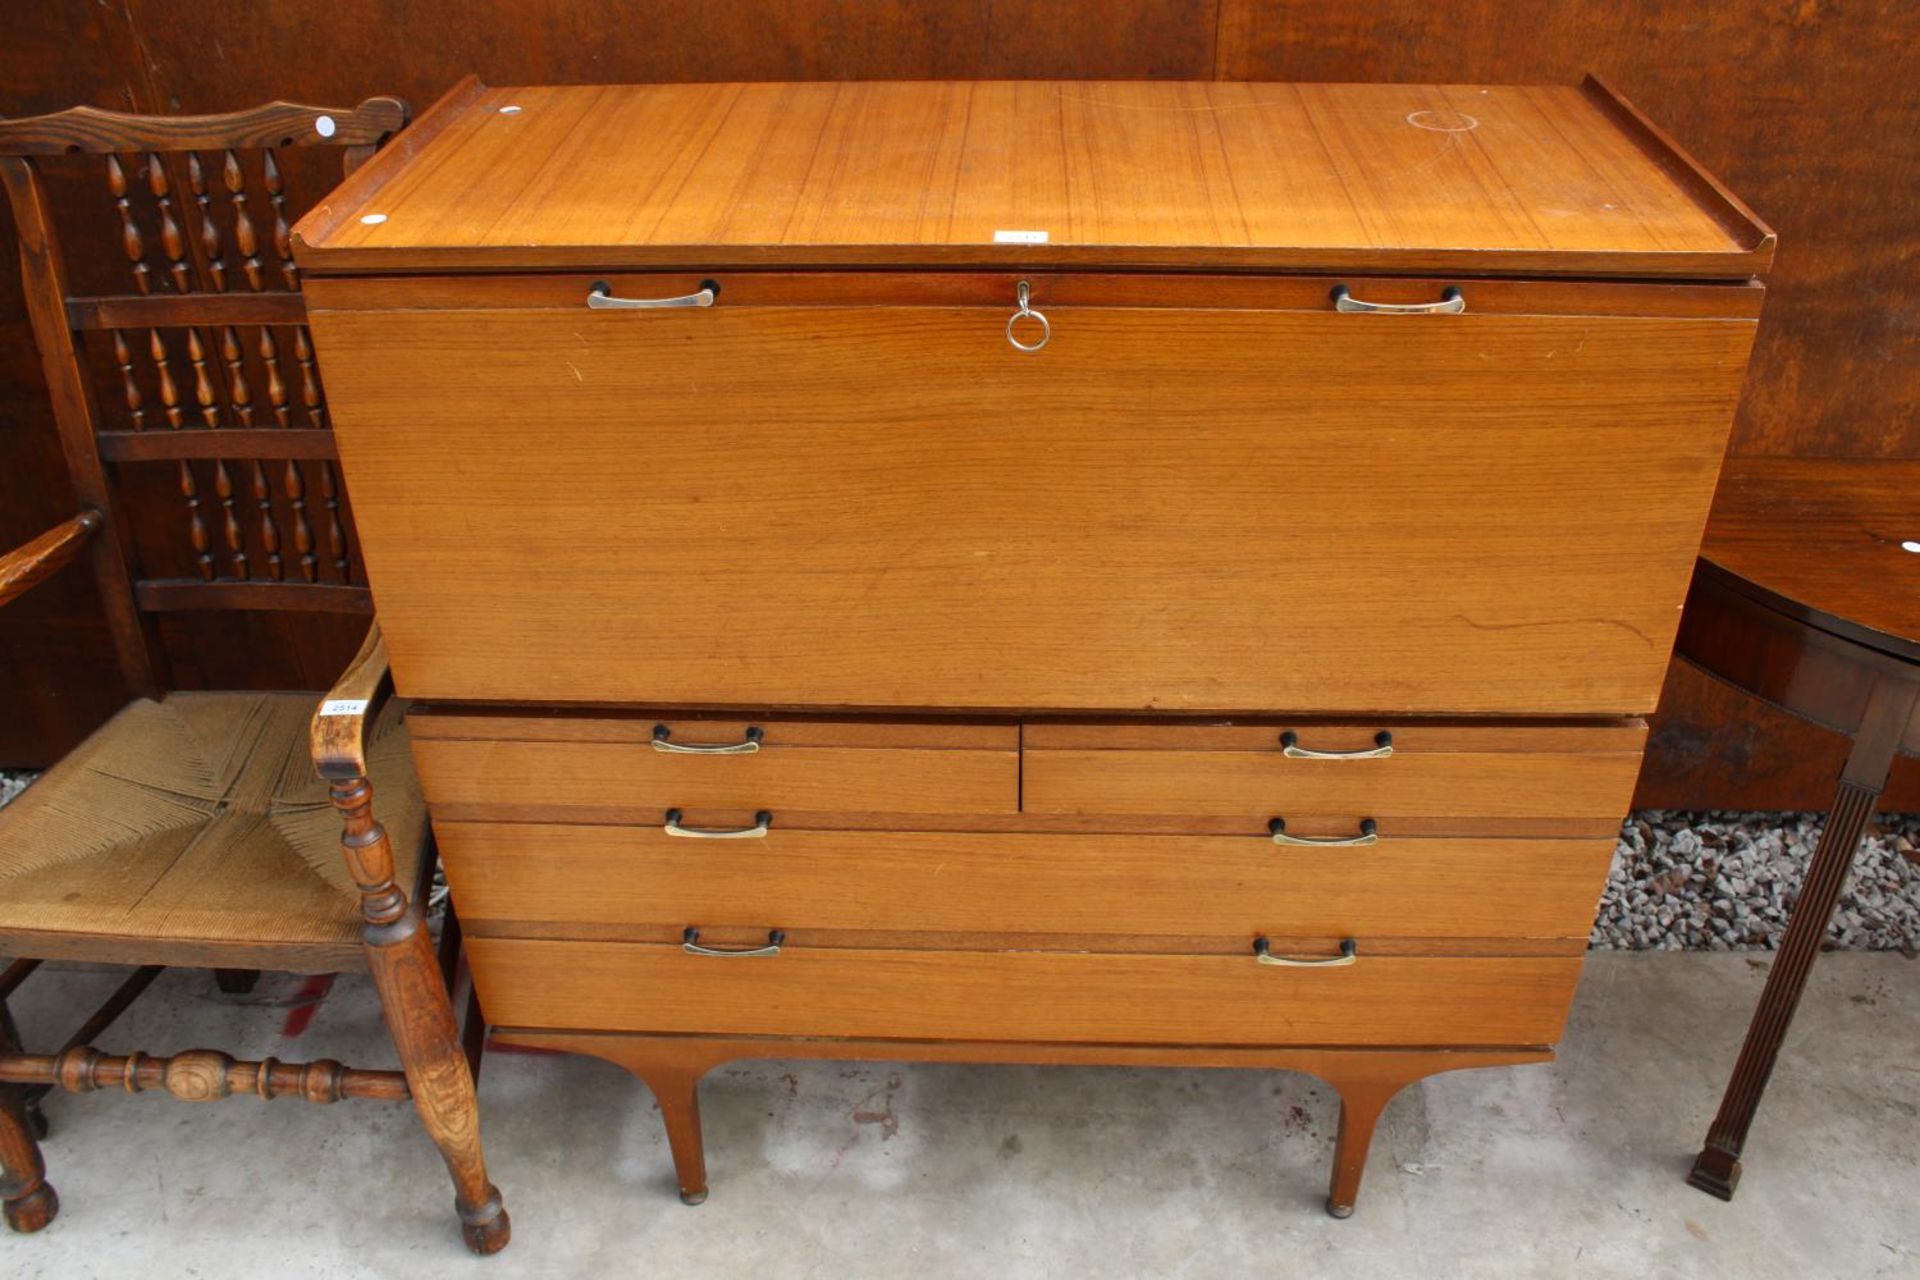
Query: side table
{"points": [[1807, 595]]}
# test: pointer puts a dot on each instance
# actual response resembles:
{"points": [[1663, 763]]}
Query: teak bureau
{"points": [[1129, 573]]}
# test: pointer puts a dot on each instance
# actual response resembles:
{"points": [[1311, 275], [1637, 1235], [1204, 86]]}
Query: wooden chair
{"points": [[191, 829]]}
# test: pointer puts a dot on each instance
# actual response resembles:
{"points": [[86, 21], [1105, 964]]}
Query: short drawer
{"points": [[930, 889], [1024, 995], [717, 774], [1327, 779]]}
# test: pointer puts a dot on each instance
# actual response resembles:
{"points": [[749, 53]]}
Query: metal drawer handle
{"points": [[690, 943], [600, 298], [761, 821], [663, 741], [1026, 312], [1369, 834], [1290, 747], [1349, 954], [1452, 303]]}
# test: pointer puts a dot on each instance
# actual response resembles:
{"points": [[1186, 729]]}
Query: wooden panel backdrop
{"points": [[1809, 109]]}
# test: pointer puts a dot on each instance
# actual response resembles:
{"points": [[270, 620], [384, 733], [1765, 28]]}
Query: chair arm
{"points": [[29, 565], [340, 725]]}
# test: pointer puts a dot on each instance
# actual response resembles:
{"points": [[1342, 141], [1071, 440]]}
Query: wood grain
{"points": [[26, 566], [131, 311], [1478, 178], [1209, 291], [44, 282], [203, 1075], [419, 1013], [1222, 1000], [1714, 746], [776, 732], [1329, 797], [337, 734], [1826, 539], [282, 124], [1890, 723], [1409, 737], [159, 595], [912, 514], [798, 785], [508, 875], [211, 223], [243, 442], [1753, 91]]}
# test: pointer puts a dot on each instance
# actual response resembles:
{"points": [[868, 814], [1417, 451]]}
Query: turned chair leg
{"points": [[30, 1202], [420, 1018], [677, 1090]]}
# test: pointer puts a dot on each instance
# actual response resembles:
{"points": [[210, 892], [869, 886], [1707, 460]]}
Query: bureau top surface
{"points": [[1198, 176]]}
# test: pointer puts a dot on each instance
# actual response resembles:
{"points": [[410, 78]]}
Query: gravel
{"points": [[1721, 881], [1708, 881]]}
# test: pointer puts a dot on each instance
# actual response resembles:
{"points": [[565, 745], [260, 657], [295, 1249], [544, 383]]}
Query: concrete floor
{"points": [[842, 1170]]}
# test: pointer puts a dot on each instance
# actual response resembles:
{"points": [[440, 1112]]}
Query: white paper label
{"points": [[344, 707], [1019, 237]]}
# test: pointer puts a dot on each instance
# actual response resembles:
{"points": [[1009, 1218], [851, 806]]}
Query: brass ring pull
{"points": [[1452, 303], [1369, 834], [1290, 747], [1022, 291], [1349, 954], [663, 741], [690, 943], [761, 821], [600, 298]]}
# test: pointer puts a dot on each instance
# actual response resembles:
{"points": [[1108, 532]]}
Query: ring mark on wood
{"points": [[1443, 121]]}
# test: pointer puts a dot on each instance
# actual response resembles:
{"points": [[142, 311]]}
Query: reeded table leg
{"points": [[1716, 1170]]}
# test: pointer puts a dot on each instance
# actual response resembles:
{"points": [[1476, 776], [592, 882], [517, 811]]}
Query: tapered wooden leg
{"points": [[671, 1067], [677, 1091], [1361, 1102], [1716, 1170], [420, 1017], [30, 1202]]}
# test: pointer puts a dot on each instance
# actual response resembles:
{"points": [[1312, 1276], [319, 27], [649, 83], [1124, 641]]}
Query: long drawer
{"points": [[1033, 995], [1327, 779], [714, 772], [584, 881], [1206, 494]]}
